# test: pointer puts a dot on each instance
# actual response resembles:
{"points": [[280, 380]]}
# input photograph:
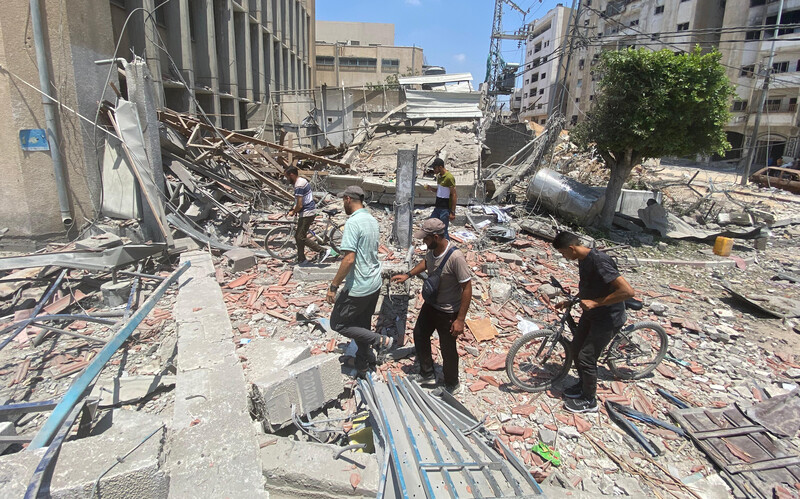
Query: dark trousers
{"points": [[590, 339], [443, 214], [431, 320], [352, 317], [302, 239]]}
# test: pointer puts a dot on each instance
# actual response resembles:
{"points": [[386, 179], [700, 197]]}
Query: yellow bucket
{"points": [[723, 246]]}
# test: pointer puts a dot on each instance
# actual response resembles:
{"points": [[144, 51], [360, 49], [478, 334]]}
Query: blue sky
{"points": [[454, 34]]}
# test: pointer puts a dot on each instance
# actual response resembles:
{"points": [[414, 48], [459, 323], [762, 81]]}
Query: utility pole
{"points": [[573, 23], [496, 65], [754, 138]]}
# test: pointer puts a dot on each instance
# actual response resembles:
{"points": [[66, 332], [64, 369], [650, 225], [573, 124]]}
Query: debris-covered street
{"points": [[262, 270]]}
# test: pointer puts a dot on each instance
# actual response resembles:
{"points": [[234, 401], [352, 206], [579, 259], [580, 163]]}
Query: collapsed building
{"points": [[166, 351]]}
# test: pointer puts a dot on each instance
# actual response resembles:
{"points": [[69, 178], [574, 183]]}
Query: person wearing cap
{"points": [[446, 197], [361, 272], [305, 208], [445, 313]]}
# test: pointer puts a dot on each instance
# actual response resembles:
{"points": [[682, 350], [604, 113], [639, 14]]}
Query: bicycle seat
{"points": [[633, 304], [330, 212]]}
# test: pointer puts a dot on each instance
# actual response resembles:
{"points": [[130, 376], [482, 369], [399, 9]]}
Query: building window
{"points": [[539, 106], [543, 75], [580, 83], [535, 77], [591, 97], [524, 96], [683, 26], [655, 36], [358, 62], [355, 42], [537, 47], [753, 35], [772, 105], [748, 70], [739, 105], [684, 1], [394, 63], [574, 120], [792, 105], [756, 3], [635, 22], [547, 43], [580, 64], [161, 16], [544, 120], [323, 60], [577, 99], [780, 67], [118, 3], [659, 9], [541, 91]]}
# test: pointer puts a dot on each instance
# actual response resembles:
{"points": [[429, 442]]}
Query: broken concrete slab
{"points": [[306, 386], [213, 448], [99, 242], [7, 429], [266, 356], [81, 462], [185, 244], [240, 259], [130, 388], [307, 469], [314, 273]]}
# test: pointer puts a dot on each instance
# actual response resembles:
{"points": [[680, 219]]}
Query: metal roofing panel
{"points": [[436, 104], [432, 79]]}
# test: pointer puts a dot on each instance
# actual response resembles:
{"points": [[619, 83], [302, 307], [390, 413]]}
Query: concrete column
{"points": [[241, 41], [277, 17], [269, 62], [404, 205], [259, 69]]}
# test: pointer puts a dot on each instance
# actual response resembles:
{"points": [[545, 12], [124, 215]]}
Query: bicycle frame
{"points": [[566, 321]]}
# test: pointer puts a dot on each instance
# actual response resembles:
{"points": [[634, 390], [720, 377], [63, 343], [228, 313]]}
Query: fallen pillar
{"points": [[299, 388]]}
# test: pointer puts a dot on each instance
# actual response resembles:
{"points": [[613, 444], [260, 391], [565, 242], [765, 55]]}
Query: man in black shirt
{"points": [[602, 291]]}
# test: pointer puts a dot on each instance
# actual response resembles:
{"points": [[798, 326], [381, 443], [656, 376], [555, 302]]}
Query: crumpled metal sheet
{"points": [[776, 305], [780, 415], [566, 197], [110, 259]]}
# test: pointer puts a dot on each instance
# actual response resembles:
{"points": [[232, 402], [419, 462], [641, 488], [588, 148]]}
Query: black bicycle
{"points": [[541, 358], [280, 241]]}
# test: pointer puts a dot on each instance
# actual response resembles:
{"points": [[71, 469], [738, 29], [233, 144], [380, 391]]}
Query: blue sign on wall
{"points": [[33, 140]]}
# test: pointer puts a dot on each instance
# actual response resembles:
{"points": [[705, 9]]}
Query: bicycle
{"points": [[280, 241], [539, 359]]}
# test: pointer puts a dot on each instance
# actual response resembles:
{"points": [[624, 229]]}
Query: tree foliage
{"points": [[653, 104]]}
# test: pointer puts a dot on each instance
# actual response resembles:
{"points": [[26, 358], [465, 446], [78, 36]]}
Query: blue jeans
{"points": [[443, 214]]}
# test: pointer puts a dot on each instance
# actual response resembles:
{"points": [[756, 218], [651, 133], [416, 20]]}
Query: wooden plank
{"points": [[728, 432], [239, 137], [767, 464]]}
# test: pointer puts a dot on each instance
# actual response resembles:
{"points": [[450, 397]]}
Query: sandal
{"points": [[547, 453]]}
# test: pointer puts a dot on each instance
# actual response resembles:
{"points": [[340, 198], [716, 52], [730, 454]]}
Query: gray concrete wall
{"points": [[76, 35], [505, 140]]}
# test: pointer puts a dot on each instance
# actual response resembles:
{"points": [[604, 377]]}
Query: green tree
{"points": [[654, 104]]}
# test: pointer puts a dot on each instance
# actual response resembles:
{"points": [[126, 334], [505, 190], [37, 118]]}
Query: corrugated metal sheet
{"points": [[437, 104], [433, 79]]}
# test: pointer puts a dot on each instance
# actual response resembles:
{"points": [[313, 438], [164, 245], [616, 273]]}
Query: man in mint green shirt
{"points": [[361, 272]]}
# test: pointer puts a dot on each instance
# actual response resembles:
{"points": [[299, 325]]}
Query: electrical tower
{"points": [[500, 77]]}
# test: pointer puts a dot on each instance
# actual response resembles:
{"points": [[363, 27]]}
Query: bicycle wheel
{"points": [[279, 242], [534, 374], [637, 350], [335, 237]]}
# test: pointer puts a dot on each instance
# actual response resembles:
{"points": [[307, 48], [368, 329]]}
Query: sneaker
{"points": [[456, 389], [385, 344], [324, 255], [423, 379], [581, 405], [574, 392]]}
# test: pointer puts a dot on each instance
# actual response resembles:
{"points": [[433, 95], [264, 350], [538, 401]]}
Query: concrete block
{"points": [[373, 184], [307, 385], [116, 293], [337, 183], [307, 469], [185, 244], [314, 273], [7, 429], [82, 461], [124, 389], [240, 259], [98, 242], [509, 257], [266, 356]]}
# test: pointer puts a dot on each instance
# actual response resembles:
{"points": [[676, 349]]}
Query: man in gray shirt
{"points": [[446, 311]]}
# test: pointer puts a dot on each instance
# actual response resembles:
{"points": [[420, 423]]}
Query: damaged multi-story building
{"points": [[742, 30], [235, 59]]}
